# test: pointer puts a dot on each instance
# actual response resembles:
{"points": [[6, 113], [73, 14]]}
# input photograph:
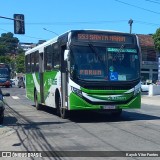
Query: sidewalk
{"points": [[9, 139], [151, 100]]}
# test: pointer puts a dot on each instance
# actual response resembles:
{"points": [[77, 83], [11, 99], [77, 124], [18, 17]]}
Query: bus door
{"points": [[41, 71], [64, 80]]}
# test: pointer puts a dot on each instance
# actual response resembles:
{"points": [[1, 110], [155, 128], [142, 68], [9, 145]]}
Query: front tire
{"points": [[37, 105], [2, 117], [62, 112]]}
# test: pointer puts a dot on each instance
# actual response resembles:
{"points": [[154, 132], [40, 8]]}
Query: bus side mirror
{"points": [[66, 55]]}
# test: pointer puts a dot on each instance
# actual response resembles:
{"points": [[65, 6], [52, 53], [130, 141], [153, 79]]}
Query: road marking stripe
{"points": [[15, 97]]}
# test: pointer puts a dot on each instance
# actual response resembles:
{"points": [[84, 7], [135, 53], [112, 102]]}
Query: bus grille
{"points": [[108, 87]]}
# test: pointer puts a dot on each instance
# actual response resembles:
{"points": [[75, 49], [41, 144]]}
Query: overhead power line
{"points": [[98, 22], [157, 2], [81, 22], [147, 23], [22, 35], [93, 22], [90, 22], [148, 10], [70, 23]]}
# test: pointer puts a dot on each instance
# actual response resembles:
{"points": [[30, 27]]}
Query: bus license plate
{"points": [[109, 107]]}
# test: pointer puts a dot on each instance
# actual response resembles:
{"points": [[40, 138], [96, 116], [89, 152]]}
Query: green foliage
{"points": [[8, 47], [5, 59], [2, 49], [156, 38], [20, 63], [8, 43]]}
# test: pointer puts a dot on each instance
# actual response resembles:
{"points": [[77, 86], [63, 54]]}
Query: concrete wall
{"points": [[154, 90]]}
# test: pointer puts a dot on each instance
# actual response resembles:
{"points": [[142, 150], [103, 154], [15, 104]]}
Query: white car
{"points": [[144, 87], [12, 81]]}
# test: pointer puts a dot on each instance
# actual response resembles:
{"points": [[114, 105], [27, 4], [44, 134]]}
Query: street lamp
{"points": [[130, 23], [50, 31]]}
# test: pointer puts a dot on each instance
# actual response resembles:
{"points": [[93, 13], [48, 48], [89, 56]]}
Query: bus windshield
{"points": [[95, 63], [4, 72]]}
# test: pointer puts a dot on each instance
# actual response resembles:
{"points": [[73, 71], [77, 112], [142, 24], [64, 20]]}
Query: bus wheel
{"points": [[37, 105], [62, 111], [1, 117]]}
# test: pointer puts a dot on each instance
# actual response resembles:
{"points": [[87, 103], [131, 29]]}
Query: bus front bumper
{"points": [[78, 103]]}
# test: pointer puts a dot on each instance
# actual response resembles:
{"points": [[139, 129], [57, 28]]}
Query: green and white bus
{"points": [[85, 70]]}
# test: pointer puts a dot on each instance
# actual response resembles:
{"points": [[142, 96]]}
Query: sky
{"points": [[45, 19]]}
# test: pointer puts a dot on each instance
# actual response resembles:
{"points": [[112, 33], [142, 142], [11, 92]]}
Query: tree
{"points": [[8, 43], [5, 59], [20, 63], [2, 49], [8, 50], [156, 38]]}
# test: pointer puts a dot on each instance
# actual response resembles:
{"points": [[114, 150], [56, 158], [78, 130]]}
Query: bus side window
{"points": [[36, 61], [48, 58], [56, 57], [32, 62]]}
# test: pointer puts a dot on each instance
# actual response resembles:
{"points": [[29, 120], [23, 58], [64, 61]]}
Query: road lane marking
{"points": [[15, 97]]}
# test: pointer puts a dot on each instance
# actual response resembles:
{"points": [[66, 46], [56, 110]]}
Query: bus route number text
{"points": [[96, 37]]}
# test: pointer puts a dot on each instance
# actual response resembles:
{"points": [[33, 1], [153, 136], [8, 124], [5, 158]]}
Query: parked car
{"points": [[2, 105], [144, 87], [158, 82], [12, 82]]}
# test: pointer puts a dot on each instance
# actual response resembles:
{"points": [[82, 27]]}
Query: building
{"points": [[26, 46], [41, 41], [149, 58]]}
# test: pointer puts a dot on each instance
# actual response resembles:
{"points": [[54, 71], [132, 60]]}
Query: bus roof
{"points": [[54, 40]]}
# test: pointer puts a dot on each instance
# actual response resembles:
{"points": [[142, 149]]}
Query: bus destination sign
{"points": [[108, 38]]}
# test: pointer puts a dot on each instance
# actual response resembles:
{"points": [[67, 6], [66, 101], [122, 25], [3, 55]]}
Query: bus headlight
{"points": [[137, 89], [77, 91]]}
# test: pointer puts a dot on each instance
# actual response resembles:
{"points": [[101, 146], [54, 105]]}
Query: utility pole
{"points": [[130, 23]]}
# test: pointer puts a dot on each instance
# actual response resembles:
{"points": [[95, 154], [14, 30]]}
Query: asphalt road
{"points": [[26, 129]]}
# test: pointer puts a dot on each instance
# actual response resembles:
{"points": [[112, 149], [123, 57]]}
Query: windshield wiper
{"points": [[95, 52], [122, 46], [119, 51]]}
